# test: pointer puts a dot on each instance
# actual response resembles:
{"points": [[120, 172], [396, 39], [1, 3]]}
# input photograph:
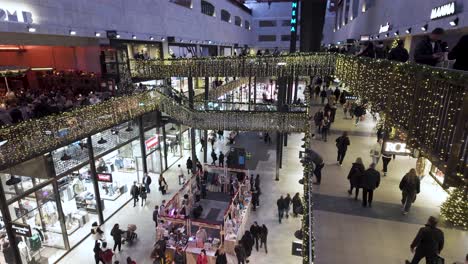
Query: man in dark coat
{"points": [[342, 144], [429, 50], [428, 243], [370, 182], [399, 53], [460, 54]]}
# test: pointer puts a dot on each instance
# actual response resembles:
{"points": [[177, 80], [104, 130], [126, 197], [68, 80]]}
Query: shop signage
{"points": [[395, 148], [443, 11], [294, 16], [385, 28], [152, 142], [15, 15], [104, 177], [21, 229]]}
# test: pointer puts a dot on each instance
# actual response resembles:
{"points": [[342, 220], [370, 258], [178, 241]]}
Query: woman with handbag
{"points": [[409, 187]]}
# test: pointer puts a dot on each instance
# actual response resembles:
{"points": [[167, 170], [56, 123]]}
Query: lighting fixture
{"points": [[408, 31], [396, 33], [129, 128], [31, 29], [65, 157], [424, 28], [102, 141], [72, 32], [133, 37], [117, 36], [151, 38], [97, 34], [454, 22]]}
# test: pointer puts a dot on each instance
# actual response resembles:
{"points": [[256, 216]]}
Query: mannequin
{"points": [[24, 251]]}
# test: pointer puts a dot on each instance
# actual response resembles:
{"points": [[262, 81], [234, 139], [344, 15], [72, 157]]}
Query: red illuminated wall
{"points": [[58, 57]]}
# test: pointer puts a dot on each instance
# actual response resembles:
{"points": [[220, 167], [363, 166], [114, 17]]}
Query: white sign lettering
{"points": [[443, 11], [15, 15], [385, 28]]}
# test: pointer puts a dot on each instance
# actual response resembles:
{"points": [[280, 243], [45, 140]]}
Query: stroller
{"points": [[130, 235]]}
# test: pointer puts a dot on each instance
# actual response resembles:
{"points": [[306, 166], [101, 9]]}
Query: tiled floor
{"points": [[345, 232]]}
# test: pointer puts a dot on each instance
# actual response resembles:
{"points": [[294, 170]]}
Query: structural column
{"points": [[141, 133], [92, 166]]}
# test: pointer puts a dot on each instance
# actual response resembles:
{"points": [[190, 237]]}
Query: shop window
{"points": [[285, 37], [207, 8], [267, 23], [79, 204], [267, 38], [238, 21], [111, 138], [184, 3], [225, 16], [247, 25], [286, 23], [39, 212]]}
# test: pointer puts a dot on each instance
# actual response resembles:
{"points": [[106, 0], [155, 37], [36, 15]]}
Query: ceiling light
{"points": [[424, 28], [151, 38], [31, 29], [408, 31], [133, 37], [97, 34], [72, 32], [117, 36], [454, 22]]}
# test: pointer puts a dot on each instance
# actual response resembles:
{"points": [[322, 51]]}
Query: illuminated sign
{"points": [[385, 28], [15, 15], [294, 16], [443, 11], [104, 177], [395, 148]]}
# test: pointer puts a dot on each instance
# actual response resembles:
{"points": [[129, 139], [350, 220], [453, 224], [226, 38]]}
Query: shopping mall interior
{"points": [[233, 131]]}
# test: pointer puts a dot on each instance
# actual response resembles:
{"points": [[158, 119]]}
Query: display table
{"points": [[193, 252], [230, 240]]}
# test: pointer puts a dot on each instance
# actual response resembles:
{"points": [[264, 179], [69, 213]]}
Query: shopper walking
{"points": [[221, 159], [399, 53], [106, 254], [342, 144], [428, 243], [147, 182], [370, 182], [143, 194], [116, 234], [97, 253], [156, 215], [189, 165], [355, 176], [386, 158], [220, 256], [409, 186], [202, 258], [240, 253], [376, 152], [255, 231], [287, 204], [280, 204], [162, 184], [135, 192], [297, 205], [180, 175], [263, 237]]}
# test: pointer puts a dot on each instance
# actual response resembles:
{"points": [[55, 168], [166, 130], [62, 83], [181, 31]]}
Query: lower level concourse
{"points": [[345, 232]]}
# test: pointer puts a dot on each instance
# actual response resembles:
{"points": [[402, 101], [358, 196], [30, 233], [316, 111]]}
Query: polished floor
{"points": [[344, 231]]}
